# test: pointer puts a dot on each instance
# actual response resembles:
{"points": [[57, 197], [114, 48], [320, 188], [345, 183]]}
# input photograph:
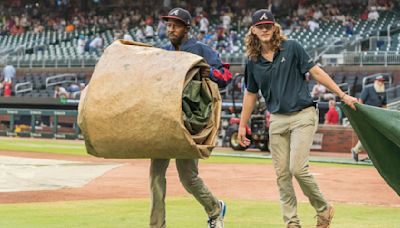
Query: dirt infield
{"points": [[239, 181]]}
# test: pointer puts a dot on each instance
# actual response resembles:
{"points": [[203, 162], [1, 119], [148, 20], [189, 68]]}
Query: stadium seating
{"points": [[59, 49]]}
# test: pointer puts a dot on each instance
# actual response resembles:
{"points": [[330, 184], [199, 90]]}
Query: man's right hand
{"points": [[242, 137], [350, 101]]}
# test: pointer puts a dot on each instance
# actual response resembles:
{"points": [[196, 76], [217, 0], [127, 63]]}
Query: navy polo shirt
{"points": [[195, 47], [282, 82], [370, 97], [210, 56]]}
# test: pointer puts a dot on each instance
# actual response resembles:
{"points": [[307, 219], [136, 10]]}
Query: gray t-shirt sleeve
{"points": [[364, 94], [304, 60], [249, 80]]}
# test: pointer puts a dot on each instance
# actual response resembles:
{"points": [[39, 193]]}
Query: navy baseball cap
{"points": [[263, 16], [179, 14]]}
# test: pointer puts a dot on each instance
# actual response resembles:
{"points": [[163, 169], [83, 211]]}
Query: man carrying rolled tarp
{"points": [[146, 102], [178, 27]]}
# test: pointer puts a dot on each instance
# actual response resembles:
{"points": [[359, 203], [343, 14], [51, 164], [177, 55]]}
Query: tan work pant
{"points": [[358, 147], [291, 137], [188, 175]]}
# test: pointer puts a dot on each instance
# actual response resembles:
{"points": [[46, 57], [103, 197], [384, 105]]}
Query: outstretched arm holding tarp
{"points": [[379, 132]]}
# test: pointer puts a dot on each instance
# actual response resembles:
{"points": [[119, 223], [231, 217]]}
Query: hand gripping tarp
{"points": [[145, 102], [379, 132]]}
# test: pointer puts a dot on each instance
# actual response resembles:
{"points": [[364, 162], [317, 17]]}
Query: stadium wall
{"points": [[336, 138]]}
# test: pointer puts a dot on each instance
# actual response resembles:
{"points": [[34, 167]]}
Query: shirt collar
{"points": [[188, 43], [261, 59]]}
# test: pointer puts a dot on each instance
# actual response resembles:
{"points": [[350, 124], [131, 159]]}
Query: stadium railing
{"points": [[371, 58], [23, 87], [60, 79]]}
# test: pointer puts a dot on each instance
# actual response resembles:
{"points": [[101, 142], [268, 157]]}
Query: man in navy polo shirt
{"points": [[277, 67], [178, 27]]}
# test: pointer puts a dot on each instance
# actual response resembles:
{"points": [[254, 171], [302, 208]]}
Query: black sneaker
{"points": [[366, 159]]}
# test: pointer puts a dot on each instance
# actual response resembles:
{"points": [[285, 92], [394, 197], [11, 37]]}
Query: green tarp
{"points": [[379, 132], [196, 105]]}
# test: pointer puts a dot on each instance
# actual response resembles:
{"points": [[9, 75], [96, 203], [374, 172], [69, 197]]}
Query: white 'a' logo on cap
{"points": [[175, 12], [264, 17]]}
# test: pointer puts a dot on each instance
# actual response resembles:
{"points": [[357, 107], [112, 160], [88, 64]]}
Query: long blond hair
{"points": [[253, 44]]}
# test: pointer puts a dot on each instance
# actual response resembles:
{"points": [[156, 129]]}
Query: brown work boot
{"points": [[324, 219]]}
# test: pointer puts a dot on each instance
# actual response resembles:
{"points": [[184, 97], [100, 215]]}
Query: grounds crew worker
{"points": [[277, 67], [373, 95], [178, 27]]}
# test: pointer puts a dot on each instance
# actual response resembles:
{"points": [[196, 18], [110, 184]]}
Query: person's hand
{"points": [[243, 141], [350, 101]]}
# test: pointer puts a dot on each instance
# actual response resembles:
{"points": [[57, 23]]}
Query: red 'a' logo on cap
{"points": [[264, 17]]}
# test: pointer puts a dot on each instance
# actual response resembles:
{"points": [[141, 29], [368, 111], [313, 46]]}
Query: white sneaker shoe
{"points": [[219, 221]]}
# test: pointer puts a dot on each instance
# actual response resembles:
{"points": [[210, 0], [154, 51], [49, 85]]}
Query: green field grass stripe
{"points": [[183, 213], [46, 146], [233, 157], [268, 156]]}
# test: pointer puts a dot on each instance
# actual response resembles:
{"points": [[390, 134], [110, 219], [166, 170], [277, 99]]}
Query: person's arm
{"points": [[307, 64], [322, 77], [221, 75], [219, 72], [249, 100], [327, 118]]}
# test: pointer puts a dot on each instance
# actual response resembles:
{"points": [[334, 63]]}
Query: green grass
{"points": [[182, 213], [78, 148], [45, 146], [242, 160]]}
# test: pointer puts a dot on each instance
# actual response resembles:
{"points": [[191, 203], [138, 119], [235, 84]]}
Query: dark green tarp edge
{"points": [[379, 132]]}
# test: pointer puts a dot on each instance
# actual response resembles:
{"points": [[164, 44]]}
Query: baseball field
{"points": [[54, 183]]}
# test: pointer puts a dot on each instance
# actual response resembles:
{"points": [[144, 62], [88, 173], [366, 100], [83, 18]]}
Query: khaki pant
{"points": [[358, 147], [291, 137], [188, 175]]}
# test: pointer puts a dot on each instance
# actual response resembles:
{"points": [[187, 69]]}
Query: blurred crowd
{"points": [[218, 22], [64, 15]]}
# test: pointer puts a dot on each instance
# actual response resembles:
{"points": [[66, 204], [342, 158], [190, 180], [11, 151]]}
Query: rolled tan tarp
{"points": [[132, 107]]}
